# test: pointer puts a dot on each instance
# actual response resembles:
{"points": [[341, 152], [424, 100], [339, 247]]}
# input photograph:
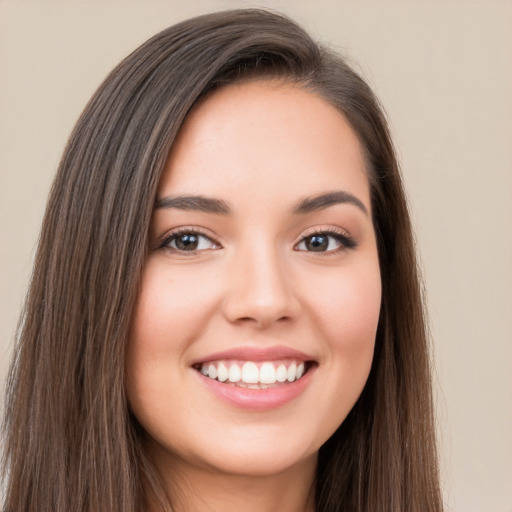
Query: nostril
{"points": [[263, 320]]}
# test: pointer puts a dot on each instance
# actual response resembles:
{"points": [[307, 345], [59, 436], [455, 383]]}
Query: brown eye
{"points": [[326, 242], [188, 241], [317, 243]]}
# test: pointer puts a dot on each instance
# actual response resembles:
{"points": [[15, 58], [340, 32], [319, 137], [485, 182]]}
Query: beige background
{"points": [[444, 74]]}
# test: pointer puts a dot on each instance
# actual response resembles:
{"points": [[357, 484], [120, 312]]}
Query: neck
{"points": [[193, 489]]}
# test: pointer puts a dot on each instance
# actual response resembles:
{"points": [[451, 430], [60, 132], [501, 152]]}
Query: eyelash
{"points": [[173, 236], [345, 240]]}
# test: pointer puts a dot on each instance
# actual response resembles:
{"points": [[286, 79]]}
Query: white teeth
{"points": [[300, 371], [290, 374], [267, 373], [222, 372], [212, 371], [281, 373], [253, 375], [235, 374], [250, 373]]}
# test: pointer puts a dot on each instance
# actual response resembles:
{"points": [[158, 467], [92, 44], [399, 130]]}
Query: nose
{"points": [[260, 289]]}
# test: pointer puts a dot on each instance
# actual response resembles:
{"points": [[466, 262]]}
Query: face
{"points": [[254, 330]]}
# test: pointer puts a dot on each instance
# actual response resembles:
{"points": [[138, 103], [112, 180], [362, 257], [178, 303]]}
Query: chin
{"points": [[249, 452], [262, 462]]}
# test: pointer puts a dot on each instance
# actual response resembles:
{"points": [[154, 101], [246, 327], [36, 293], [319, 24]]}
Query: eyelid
{"points": [[328, 229], [342, 235], [166, 238]]}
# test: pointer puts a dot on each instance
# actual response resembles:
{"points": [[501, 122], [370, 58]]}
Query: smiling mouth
{"points": [[254, 375]]}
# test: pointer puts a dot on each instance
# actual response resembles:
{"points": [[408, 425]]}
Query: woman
{"points": [[225, 311]]}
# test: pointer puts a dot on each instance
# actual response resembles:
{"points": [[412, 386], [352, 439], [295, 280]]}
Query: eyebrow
{"points": [[321, 201], [197, 203], [218, 206]]}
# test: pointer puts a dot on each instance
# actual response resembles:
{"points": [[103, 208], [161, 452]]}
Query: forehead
{"points": [[265, 138]]}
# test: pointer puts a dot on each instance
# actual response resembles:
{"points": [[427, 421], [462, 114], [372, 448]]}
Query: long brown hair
{"points": [[70, 441]]}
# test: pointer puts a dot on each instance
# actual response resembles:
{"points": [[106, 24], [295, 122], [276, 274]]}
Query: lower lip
{"points": [[258, 399]]}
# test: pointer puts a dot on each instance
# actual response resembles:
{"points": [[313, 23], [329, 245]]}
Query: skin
{"points": [[260, 147]]}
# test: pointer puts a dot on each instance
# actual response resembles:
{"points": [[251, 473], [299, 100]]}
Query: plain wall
{"points": [[443, 71]]}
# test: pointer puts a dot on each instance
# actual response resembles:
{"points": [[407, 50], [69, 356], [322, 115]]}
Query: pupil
{"points": [[187, 242], [317, 243]]}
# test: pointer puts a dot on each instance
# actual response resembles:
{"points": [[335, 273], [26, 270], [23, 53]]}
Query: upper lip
{"points": [[246, 353]]}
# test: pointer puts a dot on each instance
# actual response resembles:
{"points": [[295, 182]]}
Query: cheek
{"points": [[348, 308], [171, 309], [347, 314], [170, 312]]}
